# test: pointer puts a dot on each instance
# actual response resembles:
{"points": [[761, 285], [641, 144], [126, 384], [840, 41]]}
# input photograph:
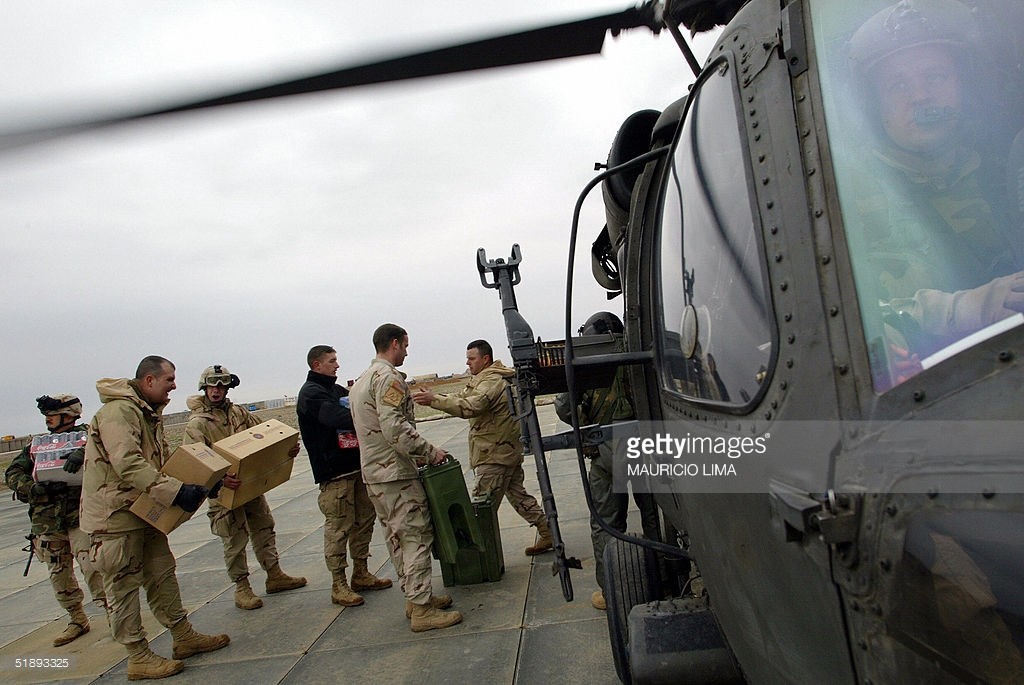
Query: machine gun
{"points": [[504, 276], [548, 367], [541, 369]]}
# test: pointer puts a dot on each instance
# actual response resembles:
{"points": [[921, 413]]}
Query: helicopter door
{"points": [[720, 312]]}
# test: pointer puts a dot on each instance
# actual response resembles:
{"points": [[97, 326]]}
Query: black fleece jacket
{"points": [[321, 416]]}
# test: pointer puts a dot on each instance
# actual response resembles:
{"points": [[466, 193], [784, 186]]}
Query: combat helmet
{"points": [[602, 322], [218, 375], [69, 405], [910, 23]]}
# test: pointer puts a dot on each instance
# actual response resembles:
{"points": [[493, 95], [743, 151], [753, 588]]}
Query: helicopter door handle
{"points": [[839, 522], [835, 518], [795, 509]]}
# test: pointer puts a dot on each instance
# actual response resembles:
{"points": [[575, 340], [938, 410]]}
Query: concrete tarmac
{"points": [[516, 630]]}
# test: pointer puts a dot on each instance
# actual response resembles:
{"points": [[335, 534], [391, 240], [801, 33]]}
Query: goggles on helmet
{"points": [[49, 404], [67, 405]]}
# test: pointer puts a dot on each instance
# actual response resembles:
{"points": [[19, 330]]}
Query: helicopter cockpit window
{"points": [[923, 103], [716, 331]]}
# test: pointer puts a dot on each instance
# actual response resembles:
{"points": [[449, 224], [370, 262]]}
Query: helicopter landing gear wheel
{"points": [[631, 577]]}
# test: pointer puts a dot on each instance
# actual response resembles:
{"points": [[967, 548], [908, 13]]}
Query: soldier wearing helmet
{"points": [[53, 511], [605, 406], [214, 417], [929, 228], [915, 60]]}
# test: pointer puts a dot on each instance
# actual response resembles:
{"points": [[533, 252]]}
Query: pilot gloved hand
{"points": [[1015, 297], [190, 496], [74, 461]]}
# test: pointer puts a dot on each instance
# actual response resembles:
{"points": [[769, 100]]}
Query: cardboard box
{"points": [[50, 452], [259, 458], [196, 464]]}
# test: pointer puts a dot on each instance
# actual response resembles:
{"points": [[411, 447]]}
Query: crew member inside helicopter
{"points": [[932, 236]]}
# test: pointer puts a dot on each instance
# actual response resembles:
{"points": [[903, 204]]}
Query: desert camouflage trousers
{"points": [[499, 480], [348, 521], [131, 560], [402, 508], [236, 527], [59, 551]]}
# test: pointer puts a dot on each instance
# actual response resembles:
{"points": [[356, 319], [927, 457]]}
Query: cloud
{"points": [[243, 236]]}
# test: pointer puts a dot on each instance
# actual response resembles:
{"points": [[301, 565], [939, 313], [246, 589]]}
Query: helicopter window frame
{"points": [[722, 67]]}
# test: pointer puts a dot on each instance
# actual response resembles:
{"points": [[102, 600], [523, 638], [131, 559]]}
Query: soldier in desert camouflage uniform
{"points": [[53, 511], [214, 417], [496, 452], [390, 451], [123, 457]]}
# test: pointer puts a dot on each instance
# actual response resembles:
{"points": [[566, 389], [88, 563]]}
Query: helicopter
{"points": [[874, 539], [877, 536]]}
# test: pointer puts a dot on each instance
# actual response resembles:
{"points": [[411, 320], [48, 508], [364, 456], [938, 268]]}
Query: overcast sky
{"points": [[246, 235]]}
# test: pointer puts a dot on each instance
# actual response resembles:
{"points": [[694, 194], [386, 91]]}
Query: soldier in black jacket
{"points": [[325, 423]]}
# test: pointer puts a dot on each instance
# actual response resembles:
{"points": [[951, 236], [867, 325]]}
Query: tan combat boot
{"points": [[143, 664], [362, 579], [279, 581], [544, 542], [597, 601], [187, 642], [425, 617], [342, 594], [436, 601], [244, 597], [78, 626]]}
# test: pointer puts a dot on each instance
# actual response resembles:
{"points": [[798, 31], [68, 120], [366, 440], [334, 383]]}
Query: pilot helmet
{"points": [[52, 405], [217, 375], [909, 23]]}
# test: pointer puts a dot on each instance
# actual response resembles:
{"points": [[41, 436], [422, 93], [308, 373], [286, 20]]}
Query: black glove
{"points": [[189, 497], [75, 461], [215, 490], [56, 487], [38, 490]]}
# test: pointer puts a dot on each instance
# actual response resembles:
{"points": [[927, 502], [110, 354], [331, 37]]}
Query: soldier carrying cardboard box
{"points": [[214, 417], [53, 511]]}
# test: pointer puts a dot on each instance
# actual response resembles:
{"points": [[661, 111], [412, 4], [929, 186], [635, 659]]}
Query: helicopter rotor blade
{"points": [[559, 41]]}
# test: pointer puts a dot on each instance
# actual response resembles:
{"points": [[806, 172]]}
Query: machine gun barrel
{"points": [[504, 276]]}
